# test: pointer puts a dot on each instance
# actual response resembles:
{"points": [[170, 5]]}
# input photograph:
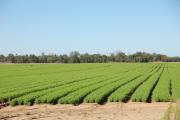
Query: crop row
{"points": [[31, 81], [103, 93], [174, 71], [51, 95], [30, 98], [99, 93], [141, 82], [161, 92]]}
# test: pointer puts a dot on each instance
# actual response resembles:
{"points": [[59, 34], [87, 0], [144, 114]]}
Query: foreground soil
{"points": [[109, 111]]}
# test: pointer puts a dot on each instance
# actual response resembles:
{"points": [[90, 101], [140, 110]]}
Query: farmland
{"points": [[28, 84]]}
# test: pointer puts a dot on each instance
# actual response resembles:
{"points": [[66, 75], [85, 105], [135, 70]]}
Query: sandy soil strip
{"points": [[109, 111]]}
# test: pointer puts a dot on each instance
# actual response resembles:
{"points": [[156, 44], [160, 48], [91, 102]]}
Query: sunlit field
{"points": [[28, 84]]}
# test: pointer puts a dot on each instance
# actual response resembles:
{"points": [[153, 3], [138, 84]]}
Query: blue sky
{"points": [[93, 26]]}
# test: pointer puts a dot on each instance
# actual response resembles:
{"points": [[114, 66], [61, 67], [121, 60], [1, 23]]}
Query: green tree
{"points": [[120, 57], [10, 58], [2, 58], [74, 57]]}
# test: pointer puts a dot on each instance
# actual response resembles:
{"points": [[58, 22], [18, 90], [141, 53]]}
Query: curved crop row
{"points": [[54, 96], [11, 95], [123, 93], [143, 92], [47, 79], [30, 98], [78, 96], [161, 92], [50, 79], [82, 82], [101, 94]]}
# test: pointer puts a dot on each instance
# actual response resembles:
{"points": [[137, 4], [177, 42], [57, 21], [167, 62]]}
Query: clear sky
{"points": [[93, 26]]}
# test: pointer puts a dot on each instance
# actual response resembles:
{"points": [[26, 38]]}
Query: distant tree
{"points": [[26, 59], [19, 59], [2, 58], [65, 58], [62, 59], [32, 59], [86, 58], [42, 58], [74, 57], [10, 58], [140, 57], [97, 58], [111, 58], [52, 59], [158, 57], [174, 59], [104, 59], [120, 57]]}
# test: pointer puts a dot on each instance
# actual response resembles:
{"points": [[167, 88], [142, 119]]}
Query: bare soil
{"points": [[109, 111]]}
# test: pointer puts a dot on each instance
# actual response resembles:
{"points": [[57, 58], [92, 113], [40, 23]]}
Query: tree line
{"points": [[76, 57]]}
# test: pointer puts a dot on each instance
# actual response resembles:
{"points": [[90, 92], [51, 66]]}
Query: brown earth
{"points": [[109, 111]]}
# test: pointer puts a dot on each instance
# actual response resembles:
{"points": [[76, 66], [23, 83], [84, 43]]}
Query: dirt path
{"points": [[110, 111]]}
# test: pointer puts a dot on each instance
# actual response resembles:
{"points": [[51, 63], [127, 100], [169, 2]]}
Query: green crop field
{"points": [[28, 84]]}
